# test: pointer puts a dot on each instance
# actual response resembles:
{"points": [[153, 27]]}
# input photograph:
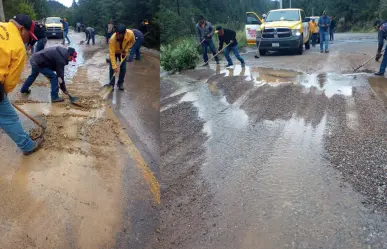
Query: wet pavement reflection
{"points": [[291, 160]]}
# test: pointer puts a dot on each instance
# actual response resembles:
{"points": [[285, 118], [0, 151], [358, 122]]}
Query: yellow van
{"points": [[54, 28], [284, 29]]}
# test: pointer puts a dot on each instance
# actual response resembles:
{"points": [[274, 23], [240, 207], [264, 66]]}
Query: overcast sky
{"points": [[66, 2]]}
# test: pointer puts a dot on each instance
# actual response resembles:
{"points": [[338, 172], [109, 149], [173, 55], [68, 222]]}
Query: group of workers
{"points": [[326, 25], [205, 33], [22, 32]]}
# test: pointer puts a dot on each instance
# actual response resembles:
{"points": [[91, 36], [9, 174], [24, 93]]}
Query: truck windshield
{"points": [[50, 20], [283, 15]]}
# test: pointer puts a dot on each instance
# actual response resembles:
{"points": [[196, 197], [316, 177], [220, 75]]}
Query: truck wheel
{"points": [[307, 45], [301, 46]]}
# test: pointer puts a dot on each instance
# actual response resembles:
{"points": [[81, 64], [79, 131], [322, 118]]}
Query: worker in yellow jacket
{"points": [[15, 35], [119, 44], [313, 26]]}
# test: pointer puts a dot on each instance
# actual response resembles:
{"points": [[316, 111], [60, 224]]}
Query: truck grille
{"points": [[276, 33], [54, 29]]}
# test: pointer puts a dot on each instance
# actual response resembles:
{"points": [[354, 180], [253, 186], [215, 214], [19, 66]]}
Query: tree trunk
{"points": [[2, 16]]}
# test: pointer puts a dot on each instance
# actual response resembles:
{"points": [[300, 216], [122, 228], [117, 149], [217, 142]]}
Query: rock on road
{"points": [[290, 152]]}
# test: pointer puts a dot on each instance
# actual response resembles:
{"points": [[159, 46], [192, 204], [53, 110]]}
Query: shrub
{"points": [[183, 56]]}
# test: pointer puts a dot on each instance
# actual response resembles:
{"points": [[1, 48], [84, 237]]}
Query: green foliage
{"points": [[180, 57], [26, 8], [36, 8]]}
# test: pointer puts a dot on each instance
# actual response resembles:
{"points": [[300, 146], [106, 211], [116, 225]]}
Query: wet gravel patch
{"points": [[187, 201]]}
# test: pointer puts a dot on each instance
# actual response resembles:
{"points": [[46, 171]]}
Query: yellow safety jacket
{"points": [[117, 47]]}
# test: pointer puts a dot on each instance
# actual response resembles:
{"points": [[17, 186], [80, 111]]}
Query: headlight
{"points": [[296, 32]]}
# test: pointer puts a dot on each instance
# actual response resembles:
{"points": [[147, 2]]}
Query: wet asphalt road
{"points": [[93, 184], [271, 158]]}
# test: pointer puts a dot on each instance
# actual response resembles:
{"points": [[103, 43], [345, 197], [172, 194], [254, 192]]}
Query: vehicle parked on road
{"points": [[54, 27], [253, 21], [284, 29]]}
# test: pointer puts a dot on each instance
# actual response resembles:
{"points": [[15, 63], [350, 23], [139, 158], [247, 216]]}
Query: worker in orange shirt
{"points": [[313, 26]]}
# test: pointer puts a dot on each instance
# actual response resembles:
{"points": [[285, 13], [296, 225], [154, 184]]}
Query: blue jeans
{"points": [[51, 75], [108, 35], [40, 44], [136, 49], [92, 37], [122, 72], [384, 63], [234, 49], [324, 38], [10, 123], [209, 43], [314, 39], [65, 36]]}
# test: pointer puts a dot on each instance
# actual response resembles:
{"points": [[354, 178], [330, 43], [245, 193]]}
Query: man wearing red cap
{"points": [[47, 62], [14, 35]]}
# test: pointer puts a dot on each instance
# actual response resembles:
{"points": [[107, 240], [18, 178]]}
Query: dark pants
{"points": [[136, 49], [40, 44], [331, 32], [51, 75], [122, 72], [314, 39], [234, 49], [108, 35], [384, 63], [92, 37], [209, 43]]}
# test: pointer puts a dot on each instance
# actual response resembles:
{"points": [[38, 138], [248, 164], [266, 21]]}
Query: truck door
{"points": [[252, 23]]}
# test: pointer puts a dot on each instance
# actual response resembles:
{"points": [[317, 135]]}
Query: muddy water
{"points": [[292, 160], [85, 187]]}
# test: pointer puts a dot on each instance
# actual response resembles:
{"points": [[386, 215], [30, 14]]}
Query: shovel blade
{"points": [[105, 91]]}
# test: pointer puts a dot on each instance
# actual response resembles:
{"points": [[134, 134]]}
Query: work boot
{"points": [[243, 64], [326, 51], [57, 99], [38, 144], [121, 87], [26, 92], [379, 73], [321, 51], [229, 65]]}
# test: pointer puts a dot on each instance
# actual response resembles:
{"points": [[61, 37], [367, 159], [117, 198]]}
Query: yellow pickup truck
{"points": [[284, 29], [54, 27]]}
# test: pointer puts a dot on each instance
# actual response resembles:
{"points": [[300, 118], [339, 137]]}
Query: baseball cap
{"points": [[72, 53], [121, 29], [27, 23], [218, 28]]}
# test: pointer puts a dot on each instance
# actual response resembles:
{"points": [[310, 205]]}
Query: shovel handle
{"points": [[28, 116], [216, 54]]}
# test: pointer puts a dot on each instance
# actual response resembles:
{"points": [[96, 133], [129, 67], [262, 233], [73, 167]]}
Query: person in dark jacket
{"points": [[65, 31], [90, 34], [40, 32], [381, 27], [332, 27], [47, 62], [204, 33], [137, 45], [144, 26], [228, 36]]}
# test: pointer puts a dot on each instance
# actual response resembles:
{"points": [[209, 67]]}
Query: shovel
{"points": [[106, 89], [32, 119], [216, 54], [355, 69]]}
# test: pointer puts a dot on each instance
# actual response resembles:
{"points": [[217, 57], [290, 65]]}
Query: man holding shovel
{"points": [[119, 45], [47, 62], [90, 35], [204, 33], [382, 35], [228, 36], [13, 37]]}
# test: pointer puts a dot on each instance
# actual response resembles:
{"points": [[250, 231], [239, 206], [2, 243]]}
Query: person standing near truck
{"points": [[40, 32], [13, 37], [204, 33], [228, 36], [323, 23], [314, 31], [332, 28], [65, 31]]}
